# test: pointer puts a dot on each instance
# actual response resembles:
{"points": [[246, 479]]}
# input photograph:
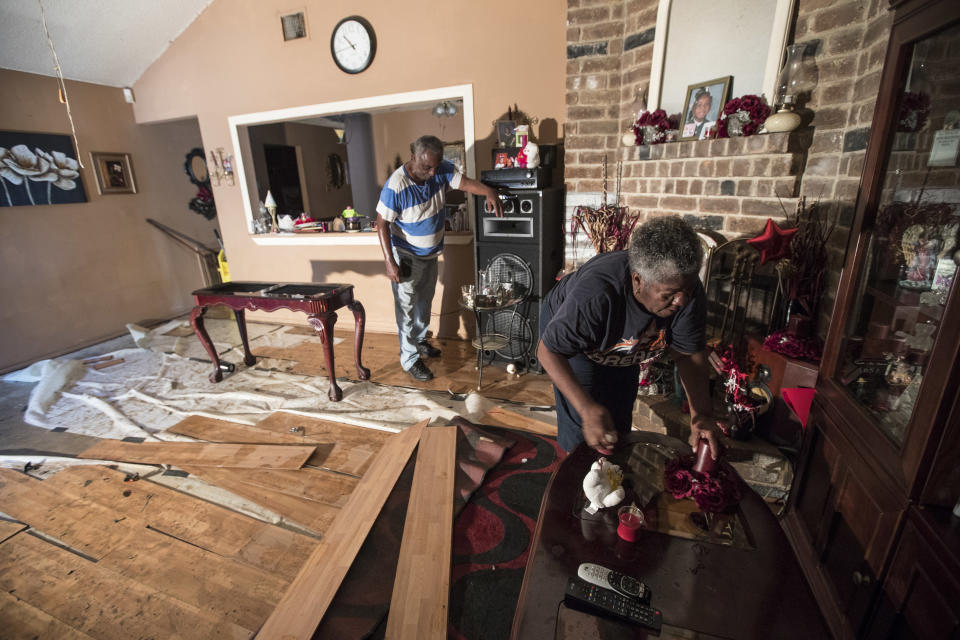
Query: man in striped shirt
{"points": [[410, 224]]}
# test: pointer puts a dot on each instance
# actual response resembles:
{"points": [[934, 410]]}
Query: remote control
{"points": [[608, 579], [603, 602]]}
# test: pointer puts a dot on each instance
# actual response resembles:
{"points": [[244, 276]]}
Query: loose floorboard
{"points": [[421, 589], [214, 528], [249, 456], [354, 447], [510, 419], [312, 591], [95, 600]]}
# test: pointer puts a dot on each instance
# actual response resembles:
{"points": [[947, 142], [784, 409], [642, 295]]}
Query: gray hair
{"points": [[427, 143], [665, 248]]}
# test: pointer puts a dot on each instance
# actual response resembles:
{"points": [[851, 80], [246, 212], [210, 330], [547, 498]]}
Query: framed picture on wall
{"points": [[455, 152], [114, 172], [505, 132], [701, 108], [38, 169]]}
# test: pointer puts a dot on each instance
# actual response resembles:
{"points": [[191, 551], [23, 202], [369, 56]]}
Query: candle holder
{"points": [[271, 206]]}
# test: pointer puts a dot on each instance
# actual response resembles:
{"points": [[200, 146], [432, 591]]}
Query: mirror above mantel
{"points": [[696, 41]]}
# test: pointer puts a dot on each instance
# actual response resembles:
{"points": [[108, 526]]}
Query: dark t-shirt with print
{"points": [[595, 314]]}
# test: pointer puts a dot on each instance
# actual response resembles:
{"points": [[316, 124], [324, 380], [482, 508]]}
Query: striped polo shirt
{"points": [[415, 212]]}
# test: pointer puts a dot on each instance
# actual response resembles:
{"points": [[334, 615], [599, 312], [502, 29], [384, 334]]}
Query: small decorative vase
{"points": [[650, 134], [782, 121], [735, 122]]}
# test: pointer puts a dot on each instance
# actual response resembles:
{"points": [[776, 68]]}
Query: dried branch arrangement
{"points": [[608, 227]]}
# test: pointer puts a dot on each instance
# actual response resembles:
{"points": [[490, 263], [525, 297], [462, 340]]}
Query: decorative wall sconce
{"points": [[221, 168]]}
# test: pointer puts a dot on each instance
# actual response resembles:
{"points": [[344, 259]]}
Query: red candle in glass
{"points": [[631, 519]]}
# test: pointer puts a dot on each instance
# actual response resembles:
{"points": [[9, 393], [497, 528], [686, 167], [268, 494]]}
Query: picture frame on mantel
{"points": [[702, 108], [114, 172]]}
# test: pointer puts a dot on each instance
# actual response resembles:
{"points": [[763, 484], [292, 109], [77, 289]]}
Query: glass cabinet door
{"points": [[912, 249]]}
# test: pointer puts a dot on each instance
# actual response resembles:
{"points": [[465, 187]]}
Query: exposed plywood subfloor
{"points": [[196, 522]]}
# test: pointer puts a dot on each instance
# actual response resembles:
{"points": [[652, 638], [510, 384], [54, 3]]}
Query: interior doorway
{"points": [[283, 176]]}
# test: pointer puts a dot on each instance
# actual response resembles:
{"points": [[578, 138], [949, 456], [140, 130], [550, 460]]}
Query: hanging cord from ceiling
{"points": [[63, 85]]}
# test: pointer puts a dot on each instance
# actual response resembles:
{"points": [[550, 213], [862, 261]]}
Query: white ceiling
{"points": [[109, 42]]}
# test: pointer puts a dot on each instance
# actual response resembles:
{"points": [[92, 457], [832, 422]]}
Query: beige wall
{"points": [[76, 273], [233, 60], [393, 132]]}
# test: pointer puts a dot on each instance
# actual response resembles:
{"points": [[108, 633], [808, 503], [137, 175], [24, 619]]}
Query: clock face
{"points": [[353, 44]]}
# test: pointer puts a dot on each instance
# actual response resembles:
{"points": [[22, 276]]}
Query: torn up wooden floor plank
{"points": [[95, 600], [213, 430], [8, 528], [311, 514], [218, 586], [84, 525], [211, 527], [355, 446], [234, 456], [23, 621], [306, 600], [500, 417], [421, 589]]}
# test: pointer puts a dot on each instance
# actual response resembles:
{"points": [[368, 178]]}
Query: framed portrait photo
{"points": [[114, 172], [455, 152], [702, 107], [505, 132]]}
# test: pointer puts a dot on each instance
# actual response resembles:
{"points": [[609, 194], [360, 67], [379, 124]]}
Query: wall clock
{"points": [[353, 44]]}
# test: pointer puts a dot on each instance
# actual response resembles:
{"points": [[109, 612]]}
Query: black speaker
{"points": [[524, 247]]}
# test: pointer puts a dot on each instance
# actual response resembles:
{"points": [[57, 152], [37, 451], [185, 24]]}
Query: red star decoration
{"points": [[773, 243]]}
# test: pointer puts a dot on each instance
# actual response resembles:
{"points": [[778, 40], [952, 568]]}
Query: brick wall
{"points": [[728, 185]]}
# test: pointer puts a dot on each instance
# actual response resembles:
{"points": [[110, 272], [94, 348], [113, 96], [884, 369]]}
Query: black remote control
{"points": [[619, 582], [603, 602]]}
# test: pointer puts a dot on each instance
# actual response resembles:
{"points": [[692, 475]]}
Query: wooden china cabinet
{"points": [[870, 515]]}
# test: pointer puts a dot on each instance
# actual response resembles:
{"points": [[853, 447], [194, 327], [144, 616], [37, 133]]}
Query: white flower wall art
{"points": [[38, 169]]}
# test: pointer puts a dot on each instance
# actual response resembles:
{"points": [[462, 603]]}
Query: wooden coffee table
{"points": [[318, 301], [751, 589]]}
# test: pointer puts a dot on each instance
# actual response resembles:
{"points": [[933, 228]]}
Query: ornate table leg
{"points": [[359, 320], [248, 358], [323, 325], [196, 320]]}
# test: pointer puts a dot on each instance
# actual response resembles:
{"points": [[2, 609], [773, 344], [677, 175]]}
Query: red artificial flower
{"points": [[677, 478], [750, 103], [733, 106], [709, 497]]}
